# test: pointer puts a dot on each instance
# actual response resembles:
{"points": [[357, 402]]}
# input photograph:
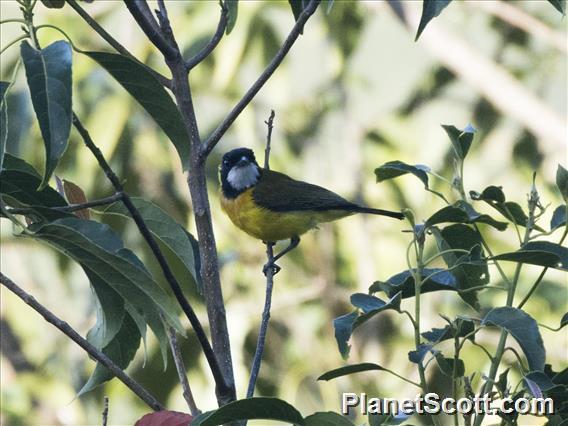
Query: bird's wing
{"points": [[278, 192]]}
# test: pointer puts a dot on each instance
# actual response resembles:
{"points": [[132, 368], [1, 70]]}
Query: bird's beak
{"points": [[244, 161]]}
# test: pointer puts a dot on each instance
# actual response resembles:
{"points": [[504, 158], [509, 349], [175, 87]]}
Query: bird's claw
{"points": [[271, 265]]}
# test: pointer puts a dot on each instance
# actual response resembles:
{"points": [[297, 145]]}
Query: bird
{"points": [[272, 206]]}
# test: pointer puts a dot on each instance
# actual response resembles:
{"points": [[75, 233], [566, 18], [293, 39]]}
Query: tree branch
{"points": [[66, 329], [75, 207], [269, 271], [209, 47], [168, 274], [257, 85], [114, 43], [143, 16]]}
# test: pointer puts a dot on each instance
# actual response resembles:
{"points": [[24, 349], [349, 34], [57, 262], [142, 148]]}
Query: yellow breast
{"points": [[267, 225]]}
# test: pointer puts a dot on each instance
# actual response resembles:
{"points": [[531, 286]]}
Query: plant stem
{"points": [[66, 329], [209, 47]]}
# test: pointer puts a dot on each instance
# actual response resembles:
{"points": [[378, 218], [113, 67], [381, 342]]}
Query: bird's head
{"points": [[238, 171]]}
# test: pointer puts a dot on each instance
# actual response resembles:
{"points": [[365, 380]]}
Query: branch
{"points": [[90, 349], [269, 271], [75, 207], [168, 274], [209, 47], [257, 85], [113, 42], [143, 16], [105, 411], [180, 367]]}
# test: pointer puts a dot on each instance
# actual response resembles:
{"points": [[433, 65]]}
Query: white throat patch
{"points": [[243, 177]]}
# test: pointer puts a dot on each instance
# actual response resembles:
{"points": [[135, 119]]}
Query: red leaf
{"points": [[165, 418]]}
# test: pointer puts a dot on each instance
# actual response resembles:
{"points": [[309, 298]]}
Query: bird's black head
{"points": [[238, 171]]}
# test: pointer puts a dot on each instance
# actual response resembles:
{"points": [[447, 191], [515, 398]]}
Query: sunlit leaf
{"points": [[151, 95], [524, 330], [261, 408], [543, 253], [48, 72], [350, 369]]}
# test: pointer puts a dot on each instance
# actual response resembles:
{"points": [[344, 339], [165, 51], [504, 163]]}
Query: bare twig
{"points": [[168, 274], [105, 411], [90, 349], [257, 85], [180, 367], [75, 207], [143, 15], [269, 271], [209, 47], [113, 42]]}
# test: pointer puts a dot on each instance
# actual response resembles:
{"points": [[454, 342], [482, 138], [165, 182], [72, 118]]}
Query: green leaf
{"points": [[541, 380], [232, 13], [350, 369], [430, 9], [100, 251], [121, 350], [562, 181], [417, 356], [459, 328], [462, 212], [559, 5], [447, 366], [343, 326], [494, 196], [260, 408], [327, 418], [298, 7], [392, 303], [53, 4], [151, 95], [524, 330], [564, 320], [4, 86], [48, 72], [461, 139], [439, 279], [543, 253], [558, 218], [387, 419], [170, 233], [397, 168]]}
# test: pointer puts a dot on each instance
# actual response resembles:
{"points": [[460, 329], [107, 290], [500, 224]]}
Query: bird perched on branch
{"points": [[272, 206]]}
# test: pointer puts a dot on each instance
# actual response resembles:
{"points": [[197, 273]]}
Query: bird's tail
{"points": [[389, 213]]}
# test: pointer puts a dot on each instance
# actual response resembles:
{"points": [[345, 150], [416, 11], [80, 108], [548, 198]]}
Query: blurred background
{"points": [[355, 92]]}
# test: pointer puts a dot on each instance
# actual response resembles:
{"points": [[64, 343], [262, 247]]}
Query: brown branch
{"points": [[66, 329], [218, 133], [168, 274], [209, 47]]}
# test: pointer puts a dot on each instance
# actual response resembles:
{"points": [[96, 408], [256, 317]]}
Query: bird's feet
{"points": [[271, 266]]}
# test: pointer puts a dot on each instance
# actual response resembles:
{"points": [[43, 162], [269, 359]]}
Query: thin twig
{"points": [[257, 85], [75, 207], [209, 47], [105, 411], [180, 367], [89, 348], [269, 271], [113, 42], [168, 274], [143, 16]]}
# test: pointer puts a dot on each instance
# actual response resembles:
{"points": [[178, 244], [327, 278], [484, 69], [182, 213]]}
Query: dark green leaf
{"points": [[250, 409], [564, 320], [366, 302], [121, 350], [53, 4], [491, 193], [392, 303], [447, 366], [417, 356], [298, 7], [460, 328], [541, 380], [562, 181], [232, 13], [4, 86], [501, 384], [397, 168], [14, 163], [168, 232], [100, 251], [559, 5], [387, 419], [343, 328], [462, 212], [524, 330], [439, 279], [48, 72], [327, 418], [350, 369], [150, 94], [558, 218], [543, 253], [461, 139], [430, 9]]}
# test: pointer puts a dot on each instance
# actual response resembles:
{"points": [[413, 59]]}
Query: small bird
{"points": [[272, 206]]}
